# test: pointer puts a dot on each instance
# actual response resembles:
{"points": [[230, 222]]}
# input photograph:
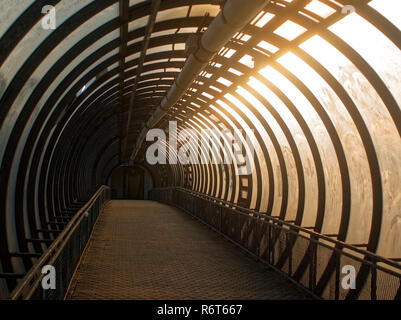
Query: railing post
{"points": [[373, 289], [337, 281], [220, 218], [313, 265], [271, 245], [289, 248]]}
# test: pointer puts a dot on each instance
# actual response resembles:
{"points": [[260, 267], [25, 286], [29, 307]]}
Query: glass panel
{"points": [[320, 8], [268, 46], [326, 151], [262, 19], [289, 30], [375, 48], [174, 13], [226, 153], [34, 37], [361, 207], [188, 30], [266, 140], [201, 10], [163, 33], [10, 10], [135, 2], [50, 59], [284, 147], [133, 41], [390, 9], [381, 54], [248, 61], [138, 23], [224, 81], [277, 104], [248, 132], [167, 48]]}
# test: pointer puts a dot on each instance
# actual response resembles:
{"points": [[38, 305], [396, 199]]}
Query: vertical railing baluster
{"points": [[373, 291], [337, 280], [312, 265]]}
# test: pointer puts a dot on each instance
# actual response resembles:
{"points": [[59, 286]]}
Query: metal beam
{"points": [[149, 30], [124, 10], [235, 15]]}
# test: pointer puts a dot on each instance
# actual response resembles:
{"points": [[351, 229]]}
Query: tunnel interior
{"points": [[315, 84], [132, 183]]}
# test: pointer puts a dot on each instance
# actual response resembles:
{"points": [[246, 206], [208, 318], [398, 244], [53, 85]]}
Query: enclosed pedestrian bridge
{"points": [[191, 149]]}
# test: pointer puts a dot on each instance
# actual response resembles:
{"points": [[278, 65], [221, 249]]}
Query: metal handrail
{"points": [[34, 273], [314, 236]]}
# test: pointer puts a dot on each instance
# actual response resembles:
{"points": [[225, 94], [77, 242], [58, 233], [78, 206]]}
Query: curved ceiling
{"points": [[320, 86]]}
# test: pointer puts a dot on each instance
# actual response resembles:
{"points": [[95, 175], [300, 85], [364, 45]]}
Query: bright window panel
{"points": [[245, 37], [259, 15], [224, 81], [355, 153], [173, 70], [264, 19], [268, 46], [248, 132], [33, 38], [178, 59], [299, 136], [130, 43], [187, 30], [201, 10], [235, 71], [163, 33], [214, 118], [10, 10], [379, 123], [229, 53], [179, 46], [132, 57], [167, 48], [284, 146], [216, 89], [320, 8], [265, 137], [207, 95], [152, 71], [170, 14], [248, 61], [374, 47], [138, 23], [134, 2], [390, 9], [155, 61], [86, 86], [289, 30]]}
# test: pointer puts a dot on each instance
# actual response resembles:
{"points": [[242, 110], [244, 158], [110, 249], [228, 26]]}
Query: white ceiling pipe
{"points": [[235, 15]]}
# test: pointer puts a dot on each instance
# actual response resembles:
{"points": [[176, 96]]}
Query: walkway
{"points": [[147, 250]]}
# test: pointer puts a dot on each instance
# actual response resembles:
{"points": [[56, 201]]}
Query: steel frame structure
{"points": [[58, 147]]}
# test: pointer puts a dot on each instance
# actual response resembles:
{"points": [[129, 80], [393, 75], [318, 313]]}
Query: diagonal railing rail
{"points": [[63, 254], [321, 265]]}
